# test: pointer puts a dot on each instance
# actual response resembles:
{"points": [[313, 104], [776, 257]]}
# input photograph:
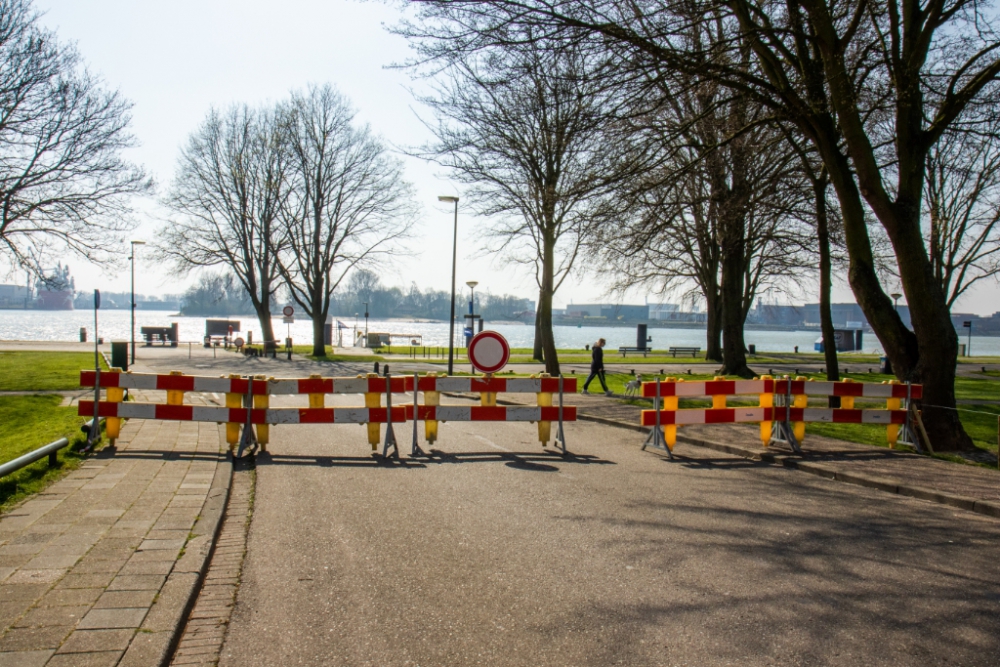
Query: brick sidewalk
{"points": [[82, 562]]}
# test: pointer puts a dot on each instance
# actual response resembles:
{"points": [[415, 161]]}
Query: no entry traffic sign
{"points": [[488, 351], [288, 311]]}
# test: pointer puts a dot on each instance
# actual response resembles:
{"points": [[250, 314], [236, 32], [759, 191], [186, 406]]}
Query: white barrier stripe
{"points": [[137, 410], [207, 384], [523, 414], [350, 415], [453, 413], [281, 416], [200, 413]]}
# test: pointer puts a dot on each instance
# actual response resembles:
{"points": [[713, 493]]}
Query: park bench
{"points": [[693, 351], [625, 350]]}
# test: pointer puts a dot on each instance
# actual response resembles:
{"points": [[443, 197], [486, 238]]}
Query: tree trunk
{"points": [[545, 312], [319, 339], [825, 280], [713, 322], [734, 360], [537, 352]]}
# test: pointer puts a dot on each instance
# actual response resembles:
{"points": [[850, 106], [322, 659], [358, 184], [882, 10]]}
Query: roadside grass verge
{"points": [[43, 371], [31, 422]]}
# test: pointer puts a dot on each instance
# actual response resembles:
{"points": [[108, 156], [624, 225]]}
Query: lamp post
{"points": [[454, 259], [366, 324], [132, 258], [895, 300], [472, 304]]}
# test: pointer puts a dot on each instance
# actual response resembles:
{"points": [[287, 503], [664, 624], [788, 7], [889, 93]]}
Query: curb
{"points": [[160, 633], [984, 507]]}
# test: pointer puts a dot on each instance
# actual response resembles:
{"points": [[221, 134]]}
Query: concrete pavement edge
{"points": [[961, 502], [160, 633]]}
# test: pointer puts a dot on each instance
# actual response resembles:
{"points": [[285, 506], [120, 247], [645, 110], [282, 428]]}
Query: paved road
{"points": [[496, 553]]}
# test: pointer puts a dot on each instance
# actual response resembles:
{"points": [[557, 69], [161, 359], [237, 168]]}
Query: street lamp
{"points": [[454, 259], [366, 324], [132, 258], [895, 300], [472, 304]]}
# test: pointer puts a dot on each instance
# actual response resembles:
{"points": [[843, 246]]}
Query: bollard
{"points": [[431, 425], [233, 400], [488, 398], [317, 400], [373, 399], [175, 396], [113, 425], [672, 403], [767, 402], [892, 430], [799, 401], [719, 400], [262, 401], [544, 427], [847, 402]]}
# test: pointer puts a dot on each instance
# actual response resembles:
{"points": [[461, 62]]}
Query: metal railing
{"points": [[49, 450]]}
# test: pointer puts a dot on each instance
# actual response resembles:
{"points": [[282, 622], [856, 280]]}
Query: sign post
{"points": [[95, 426], [289, 319], [967, 324]]}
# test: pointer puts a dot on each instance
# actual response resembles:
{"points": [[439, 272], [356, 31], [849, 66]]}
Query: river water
{"points": [[114, 325]]}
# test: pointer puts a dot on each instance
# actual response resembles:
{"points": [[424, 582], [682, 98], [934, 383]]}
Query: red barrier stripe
{"points": [[174, 412], [316, 386], [86, 409], [720, 416], [719, 387], [316, 416], [89, 378], [177, 382]]}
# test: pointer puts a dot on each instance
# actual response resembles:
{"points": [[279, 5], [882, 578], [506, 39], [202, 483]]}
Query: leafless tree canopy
{"points": [[526, 131], [348, 203], [63, 181], [227, 196], [873, 85]]}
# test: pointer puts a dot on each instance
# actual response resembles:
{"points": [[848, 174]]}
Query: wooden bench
{"points": [[685, 350], [625, 350]]}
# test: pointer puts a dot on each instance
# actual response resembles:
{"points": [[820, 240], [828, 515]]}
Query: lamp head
{"points": [[895, 295], [449, 199], [138, 243], [472, 283]]}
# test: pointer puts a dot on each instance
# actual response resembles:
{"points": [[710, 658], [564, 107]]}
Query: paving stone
{"points": [[98, 659], [148, 567], [87, 641], [147, 648], [39, 576], [122, 599], [70, 597], [100, 619], [150, 545], [33, 639], [136, 582], [86, 580], [43, 616], [25, 658]]}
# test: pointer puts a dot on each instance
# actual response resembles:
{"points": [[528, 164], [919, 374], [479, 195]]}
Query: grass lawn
{"points": [[307, 351], [43, 371], [29, 423]]}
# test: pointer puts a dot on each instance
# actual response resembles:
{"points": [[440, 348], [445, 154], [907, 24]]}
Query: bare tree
{"points": [[962, 201], [872, 86], [63, 181], [348, 201], [524, 130], [229, 191]]}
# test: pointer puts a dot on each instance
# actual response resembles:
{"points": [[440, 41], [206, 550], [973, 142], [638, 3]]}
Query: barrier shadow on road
{"points": [[531, 461], [373, 461], [159, 454]]}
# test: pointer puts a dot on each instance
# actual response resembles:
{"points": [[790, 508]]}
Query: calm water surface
{"points": [[115, 325]]}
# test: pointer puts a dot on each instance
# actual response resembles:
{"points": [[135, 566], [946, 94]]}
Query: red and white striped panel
{"points": [[456, 413], [199, 413], [744, 387], [756, 415], [347, 385]]}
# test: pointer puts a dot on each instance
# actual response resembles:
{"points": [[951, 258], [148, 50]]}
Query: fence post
{"points": [[892, 430], [544, 401], [262, 401], [767, 403], [113, 425], [373, 399], [233, 400]]}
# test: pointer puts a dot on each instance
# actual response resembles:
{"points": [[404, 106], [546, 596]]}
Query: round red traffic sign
{"points": [[489, 351], [288, 311]]}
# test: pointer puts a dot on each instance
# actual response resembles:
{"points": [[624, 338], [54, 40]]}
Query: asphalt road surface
{"points": [[494, 552]]}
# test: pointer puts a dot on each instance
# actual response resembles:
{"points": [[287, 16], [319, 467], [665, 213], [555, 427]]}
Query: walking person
{"points": [[597, 366]]}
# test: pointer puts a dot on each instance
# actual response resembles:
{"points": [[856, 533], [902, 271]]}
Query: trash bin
{"points": [[119, 354], [83, 334], [884, 366], [752, 349], [961, 349]]}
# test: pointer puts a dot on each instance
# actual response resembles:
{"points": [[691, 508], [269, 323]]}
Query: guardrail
{"points": [[51, 450]]}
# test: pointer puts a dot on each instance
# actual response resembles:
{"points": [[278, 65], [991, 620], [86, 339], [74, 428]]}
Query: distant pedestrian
{"points": [[597, 366]]}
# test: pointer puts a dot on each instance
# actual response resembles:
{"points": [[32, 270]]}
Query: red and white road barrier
{"points": [[783, 411], [794, 387], [687, 417], [248, 403], [356, 385]]}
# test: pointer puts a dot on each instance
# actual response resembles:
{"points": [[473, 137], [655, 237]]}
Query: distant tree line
{"points": [[221, 294]]}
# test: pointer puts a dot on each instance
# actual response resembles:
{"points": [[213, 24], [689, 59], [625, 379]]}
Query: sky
{"points": [[176, 60]]}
